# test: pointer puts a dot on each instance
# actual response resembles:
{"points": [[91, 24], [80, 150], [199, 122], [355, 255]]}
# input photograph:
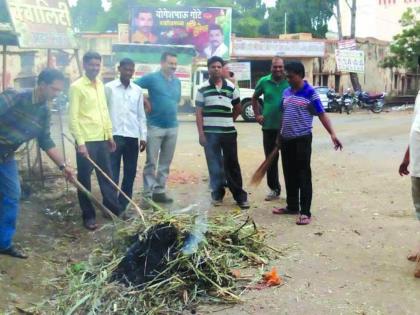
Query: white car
{"points": [[322, 91]]}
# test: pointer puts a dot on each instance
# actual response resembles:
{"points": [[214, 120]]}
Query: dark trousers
{"points": [[99, 153], [269, 142], [128, 151], [221, 152], [296, 158]]}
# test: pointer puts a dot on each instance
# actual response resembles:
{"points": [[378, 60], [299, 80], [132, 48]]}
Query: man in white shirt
{"points": [[216, 45], [412, 156], [125, 103]]}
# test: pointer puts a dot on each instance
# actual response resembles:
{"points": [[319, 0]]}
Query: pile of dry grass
{"points": [[231, 243]]}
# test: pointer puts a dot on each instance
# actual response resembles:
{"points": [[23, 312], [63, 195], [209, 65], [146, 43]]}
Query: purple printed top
{"points": [[299, 108]]}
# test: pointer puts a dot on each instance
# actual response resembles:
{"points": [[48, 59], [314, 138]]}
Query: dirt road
{"points": [[350, 260]]}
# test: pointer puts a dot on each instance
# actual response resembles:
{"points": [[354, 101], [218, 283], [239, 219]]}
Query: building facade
{"points": [[318, 57]]}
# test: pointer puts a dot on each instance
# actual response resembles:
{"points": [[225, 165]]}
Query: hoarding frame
{"points": [[71, 40], [193, 13]]}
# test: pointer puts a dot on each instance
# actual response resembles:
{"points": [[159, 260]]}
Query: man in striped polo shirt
{"points": [[217, 107], [300, 103]]}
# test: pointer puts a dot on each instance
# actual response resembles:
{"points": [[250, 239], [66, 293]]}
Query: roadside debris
{"points": [[154, 275]]}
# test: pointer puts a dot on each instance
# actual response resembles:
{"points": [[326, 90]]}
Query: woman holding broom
{"points": [[300, 103]]}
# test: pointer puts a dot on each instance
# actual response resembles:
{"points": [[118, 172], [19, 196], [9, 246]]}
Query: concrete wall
{"points": [[375, 79], [319, 71]]}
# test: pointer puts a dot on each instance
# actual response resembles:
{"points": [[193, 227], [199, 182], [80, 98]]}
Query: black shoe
{"points": [[162, 198], [243, 205], [11, 251]]}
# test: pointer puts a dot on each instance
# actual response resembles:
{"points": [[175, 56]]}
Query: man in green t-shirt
{"points": [[272, 87]]}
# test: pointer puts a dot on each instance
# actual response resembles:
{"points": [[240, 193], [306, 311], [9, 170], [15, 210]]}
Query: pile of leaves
{"points": [[209, 275]]}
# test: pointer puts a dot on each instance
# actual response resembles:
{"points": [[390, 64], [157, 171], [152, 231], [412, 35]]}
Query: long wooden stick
{"points": [[88, 194], [111, 181]]}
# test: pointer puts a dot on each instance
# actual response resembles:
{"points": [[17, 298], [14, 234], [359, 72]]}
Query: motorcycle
{"points": [[334, 102], [347, 102], [374, 103]]}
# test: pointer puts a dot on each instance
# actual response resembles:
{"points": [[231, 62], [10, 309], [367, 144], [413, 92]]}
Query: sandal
{"points": [[413, 256], [284, 210], [303, 220], [417, 269], [90, 225]]}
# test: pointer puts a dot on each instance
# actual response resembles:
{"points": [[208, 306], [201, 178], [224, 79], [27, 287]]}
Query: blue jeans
{"points": [[9, 202]]}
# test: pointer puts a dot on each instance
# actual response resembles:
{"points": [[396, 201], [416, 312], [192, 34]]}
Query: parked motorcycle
{"points": [[375, 102], [347, 102], [334, 102]]}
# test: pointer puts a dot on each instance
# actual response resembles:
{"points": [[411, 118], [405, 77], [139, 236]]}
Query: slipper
{"points": [[303, 220], [285, 210], [90, 225], [413, 256], [417, 269]]}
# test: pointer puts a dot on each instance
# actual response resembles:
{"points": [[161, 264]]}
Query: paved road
{"points": [[350, 260]]}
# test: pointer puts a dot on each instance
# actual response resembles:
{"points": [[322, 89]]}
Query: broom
{"points": [[262, 169]]}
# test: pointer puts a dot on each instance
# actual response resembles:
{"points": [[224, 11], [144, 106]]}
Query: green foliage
{"points": [[4, 15], [84, 13], [303, 16], [405, 48]]}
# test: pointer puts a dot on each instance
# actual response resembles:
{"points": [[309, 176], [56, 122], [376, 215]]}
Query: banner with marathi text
{"points": [[207, 29], [350, 60], [42, 23]]}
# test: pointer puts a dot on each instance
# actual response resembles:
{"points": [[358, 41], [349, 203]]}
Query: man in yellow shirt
{"points": [[91, 126]]}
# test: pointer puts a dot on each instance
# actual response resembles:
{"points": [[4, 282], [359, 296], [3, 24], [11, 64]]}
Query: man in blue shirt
{"points": [[164, 94], [300, 103]]}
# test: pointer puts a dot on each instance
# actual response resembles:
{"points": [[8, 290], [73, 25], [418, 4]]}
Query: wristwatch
{"points": [[62, 166]]}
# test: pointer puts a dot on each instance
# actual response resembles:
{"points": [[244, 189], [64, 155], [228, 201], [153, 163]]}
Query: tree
{"points": [[4, 14], [354, 78], [337, 15], [405, 48], [84, 14], [303, 16]]}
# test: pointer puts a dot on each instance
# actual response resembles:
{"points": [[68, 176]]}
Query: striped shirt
{"points": [[299, 108], [22, 119], [217, 106]]}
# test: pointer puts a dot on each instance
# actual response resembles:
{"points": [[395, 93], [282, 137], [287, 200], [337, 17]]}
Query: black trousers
{"points": [[221, 152], [127, 151], [269, 142], [296, 159], [99, 153]]}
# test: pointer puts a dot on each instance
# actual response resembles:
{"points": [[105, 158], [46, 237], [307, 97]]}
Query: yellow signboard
{"points": [[42, 23]]}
